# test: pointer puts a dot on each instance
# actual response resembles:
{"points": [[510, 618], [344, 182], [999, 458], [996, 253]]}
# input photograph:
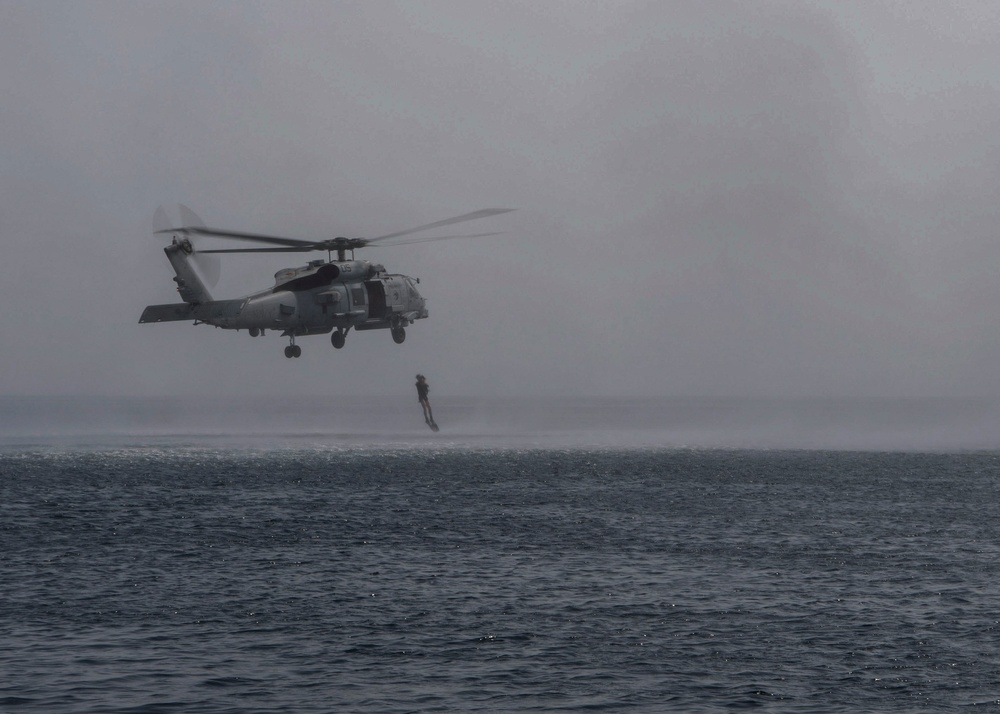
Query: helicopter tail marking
{"points": [[216, 310], [189, 285]]}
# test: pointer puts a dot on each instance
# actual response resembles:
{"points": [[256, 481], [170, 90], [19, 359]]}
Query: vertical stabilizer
{"points": [[189, 285]]}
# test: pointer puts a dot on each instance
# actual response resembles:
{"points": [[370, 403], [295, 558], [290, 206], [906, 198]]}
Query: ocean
{"points": [[268, 555]]}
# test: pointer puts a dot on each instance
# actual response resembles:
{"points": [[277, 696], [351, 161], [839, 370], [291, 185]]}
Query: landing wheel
{"points": [[296, 351], [398, 335], [338, 338], [289, 351]]}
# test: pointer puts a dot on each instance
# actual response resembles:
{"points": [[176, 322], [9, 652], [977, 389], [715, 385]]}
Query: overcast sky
{"points": [[714, 198]]}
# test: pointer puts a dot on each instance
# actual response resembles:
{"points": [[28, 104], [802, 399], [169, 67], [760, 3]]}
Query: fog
{"points": [[766, 199]]}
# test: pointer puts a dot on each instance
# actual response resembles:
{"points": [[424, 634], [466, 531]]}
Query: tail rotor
{"points": [[210, 266]]}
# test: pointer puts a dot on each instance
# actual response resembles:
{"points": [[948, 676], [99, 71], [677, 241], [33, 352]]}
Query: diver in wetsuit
{"points": [[422, 389]]}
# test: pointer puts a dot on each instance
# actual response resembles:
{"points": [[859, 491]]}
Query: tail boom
{"points": [[221, 313]]}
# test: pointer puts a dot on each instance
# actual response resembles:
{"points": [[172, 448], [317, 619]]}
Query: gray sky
{"points": [[714, 198]]}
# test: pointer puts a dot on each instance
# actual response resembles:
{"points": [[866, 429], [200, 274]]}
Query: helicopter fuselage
{"points": [[321, 296], [313, 299]]}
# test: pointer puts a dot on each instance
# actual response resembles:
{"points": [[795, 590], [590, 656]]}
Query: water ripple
{"points": [[521, 580]]}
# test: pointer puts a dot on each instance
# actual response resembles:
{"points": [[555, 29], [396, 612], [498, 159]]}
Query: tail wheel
{"points": [[398, 335]]}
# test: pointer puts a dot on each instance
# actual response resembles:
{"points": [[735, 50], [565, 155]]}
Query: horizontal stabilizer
{"points": [[187, 311], [166, 313]]}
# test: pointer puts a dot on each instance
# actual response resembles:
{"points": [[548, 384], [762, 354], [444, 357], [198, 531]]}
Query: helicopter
{"points": [[324, 296]]}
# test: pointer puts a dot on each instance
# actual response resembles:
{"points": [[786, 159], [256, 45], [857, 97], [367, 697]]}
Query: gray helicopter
{"points": [[320, 297]]}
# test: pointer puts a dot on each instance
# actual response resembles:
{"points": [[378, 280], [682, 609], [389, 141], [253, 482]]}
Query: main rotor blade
{"points": [[475, 215], [410, 241], [195, 227], [237, 235], [306, 249]]}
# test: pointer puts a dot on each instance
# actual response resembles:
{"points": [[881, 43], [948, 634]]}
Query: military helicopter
{"points": [[323, 296]]}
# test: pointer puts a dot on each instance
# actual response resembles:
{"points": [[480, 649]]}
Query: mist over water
{"points": [[315, 422]]}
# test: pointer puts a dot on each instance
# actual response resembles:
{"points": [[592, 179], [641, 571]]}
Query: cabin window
{"points": [[358, 296]]}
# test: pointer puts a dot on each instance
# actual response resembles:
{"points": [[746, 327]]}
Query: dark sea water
{"points": [[151, 566]]}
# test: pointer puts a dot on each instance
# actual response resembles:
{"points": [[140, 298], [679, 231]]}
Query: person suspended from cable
{"points": [[422, 389]]}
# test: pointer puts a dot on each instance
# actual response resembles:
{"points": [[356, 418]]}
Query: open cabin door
{"points": [[376, 299]]}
